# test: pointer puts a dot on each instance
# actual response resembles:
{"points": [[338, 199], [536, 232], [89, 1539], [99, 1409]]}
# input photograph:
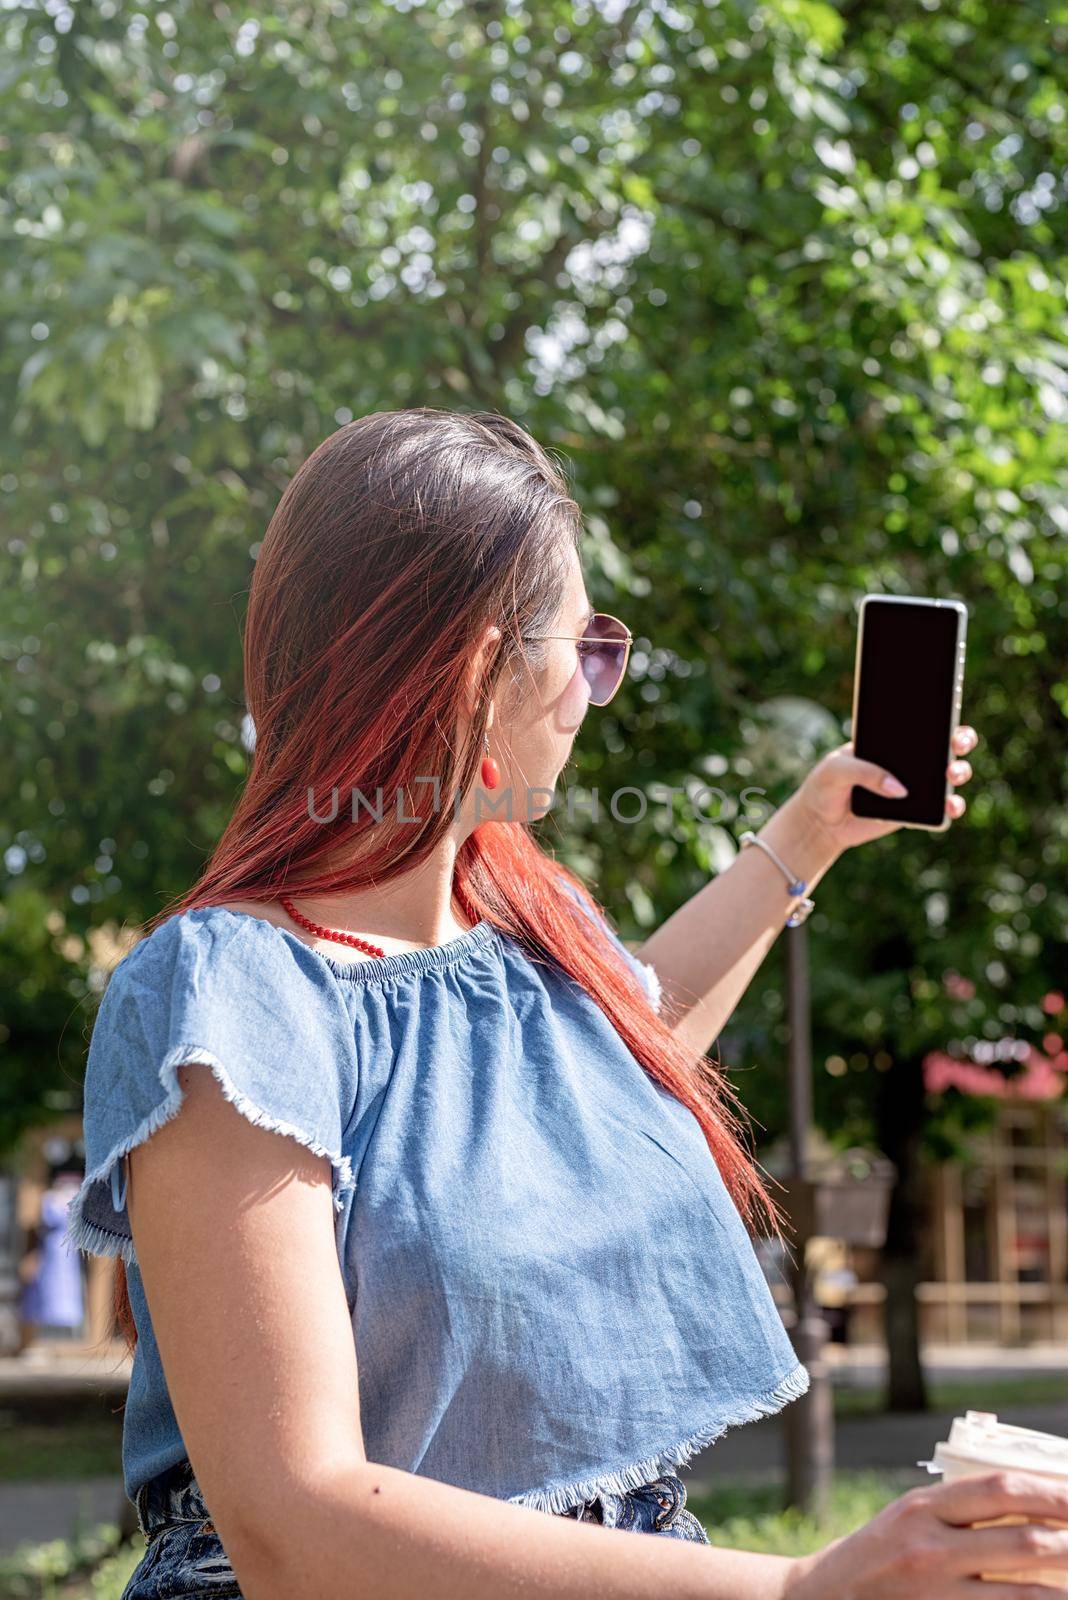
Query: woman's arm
{"points": [[706, 953], [375, 1530]]}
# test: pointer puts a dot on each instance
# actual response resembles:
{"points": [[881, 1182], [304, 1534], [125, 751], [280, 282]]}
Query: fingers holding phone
{"points": [[907, 755]]}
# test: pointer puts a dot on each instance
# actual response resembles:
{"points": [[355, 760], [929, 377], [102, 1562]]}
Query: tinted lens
{"points": [[603, 654]]}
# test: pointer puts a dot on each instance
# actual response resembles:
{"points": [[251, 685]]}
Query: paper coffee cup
{"points": [[978, 1442]]}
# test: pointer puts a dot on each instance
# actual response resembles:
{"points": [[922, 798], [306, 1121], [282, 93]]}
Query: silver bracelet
{"points": [[796, 885]]}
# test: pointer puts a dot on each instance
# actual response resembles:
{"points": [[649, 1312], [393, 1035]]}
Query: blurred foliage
{"points": [[96, 1564], [783, 283]]}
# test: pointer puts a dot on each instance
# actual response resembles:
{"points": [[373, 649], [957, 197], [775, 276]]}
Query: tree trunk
{"points": [[899, 1125]]}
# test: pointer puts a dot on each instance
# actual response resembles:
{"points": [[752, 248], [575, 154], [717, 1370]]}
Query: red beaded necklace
{"points": [[329, 933]]}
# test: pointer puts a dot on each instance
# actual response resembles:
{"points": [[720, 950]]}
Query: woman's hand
{"points": [[920, 1546], [826, 791]]}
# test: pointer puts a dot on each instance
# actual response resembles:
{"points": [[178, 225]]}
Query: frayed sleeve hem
{"points": [[651, 979], [98, 1222]]}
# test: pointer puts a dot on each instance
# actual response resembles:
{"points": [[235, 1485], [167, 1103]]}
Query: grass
{"points": [[959, 1395], [43, 1442], [751, 1516]]}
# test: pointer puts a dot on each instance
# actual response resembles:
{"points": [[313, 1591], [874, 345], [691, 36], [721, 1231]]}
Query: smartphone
{"points": [[907, 690]]}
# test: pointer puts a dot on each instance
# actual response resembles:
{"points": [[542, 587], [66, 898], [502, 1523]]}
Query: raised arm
{"points": [[706, 953]]}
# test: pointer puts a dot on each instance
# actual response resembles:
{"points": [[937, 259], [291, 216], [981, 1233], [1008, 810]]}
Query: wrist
{"points": [[804, 843], [802, 1582]]}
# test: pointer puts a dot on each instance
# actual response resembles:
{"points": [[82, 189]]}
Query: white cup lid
{"points": [[978, 1439]]}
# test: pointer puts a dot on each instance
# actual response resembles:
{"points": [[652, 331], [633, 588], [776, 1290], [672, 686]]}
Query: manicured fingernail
{"points": [[890, 785]]}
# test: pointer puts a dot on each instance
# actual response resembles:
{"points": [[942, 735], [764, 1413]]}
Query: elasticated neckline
{"points": [[378, 969]]}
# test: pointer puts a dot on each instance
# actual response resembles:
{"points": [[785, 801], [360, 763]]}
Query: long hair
{"points": [[400, 539]]}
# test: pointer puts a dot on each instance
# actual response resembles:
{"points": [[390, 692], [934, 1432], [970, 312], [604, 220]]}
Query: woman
{"points": [[534, 1183], [52, 1291]]}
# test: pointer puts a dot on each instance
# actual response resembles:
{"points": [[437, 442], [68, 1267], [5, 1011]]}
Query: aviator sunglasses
{"points": [[603, 650]]}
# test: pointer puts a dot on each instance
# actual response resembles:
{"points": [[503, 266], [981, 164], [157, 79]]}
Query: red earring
{"points": [[491, 772]]}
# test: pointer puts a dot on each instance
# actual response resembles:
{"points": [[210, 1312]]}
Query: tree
{"points": [[783, 282]]}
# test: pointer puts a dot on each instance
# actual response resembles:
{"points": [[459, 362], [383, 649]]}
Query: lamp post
{"points": [[809, 1421]]}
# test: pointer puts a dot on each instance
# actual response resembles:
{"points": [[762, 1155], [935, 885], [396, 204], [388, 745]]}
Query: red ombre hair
{"points": [[400, 539]]}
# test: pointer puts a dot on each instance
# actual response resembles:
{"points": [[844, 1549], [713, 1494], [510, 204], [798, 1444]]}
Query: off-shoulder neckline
{"points": [[378, 969]]}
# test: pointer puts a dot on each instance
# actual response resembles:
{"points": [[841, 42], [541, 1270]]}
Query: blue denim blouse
{"points": [[557, 1296]]}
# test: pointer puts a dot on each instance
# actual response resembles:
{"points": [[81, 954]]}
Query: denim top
{"points": [[557, 1296]]}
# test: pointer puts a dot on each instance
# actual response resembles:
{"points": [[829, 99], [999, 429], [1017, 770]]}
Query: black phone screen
{"points": [[904, 708]]}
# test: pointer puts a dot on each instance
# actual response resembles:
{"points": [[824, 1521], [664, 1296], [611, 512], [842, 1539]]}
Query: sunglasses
{"points": [[603, 650]]}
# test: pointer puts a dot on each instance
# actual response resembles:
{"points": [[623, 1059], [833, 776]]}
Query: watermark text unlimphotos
{"points": [[624, 805]]}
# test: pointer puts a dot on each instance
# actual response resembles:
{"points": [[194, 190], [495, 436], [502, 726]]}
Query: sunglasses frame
{"points": [[583, 638]]}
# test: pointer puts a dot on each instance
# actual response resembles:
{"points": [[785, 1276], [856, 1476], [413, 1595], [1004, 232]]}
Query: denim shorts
{"points": [[184, 1556], [659, 1506], [185, 1560]]}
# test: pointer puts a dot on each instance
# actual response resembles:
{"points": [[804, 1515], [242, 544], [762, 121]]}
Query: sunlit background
{"points": [[783, 285]]}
